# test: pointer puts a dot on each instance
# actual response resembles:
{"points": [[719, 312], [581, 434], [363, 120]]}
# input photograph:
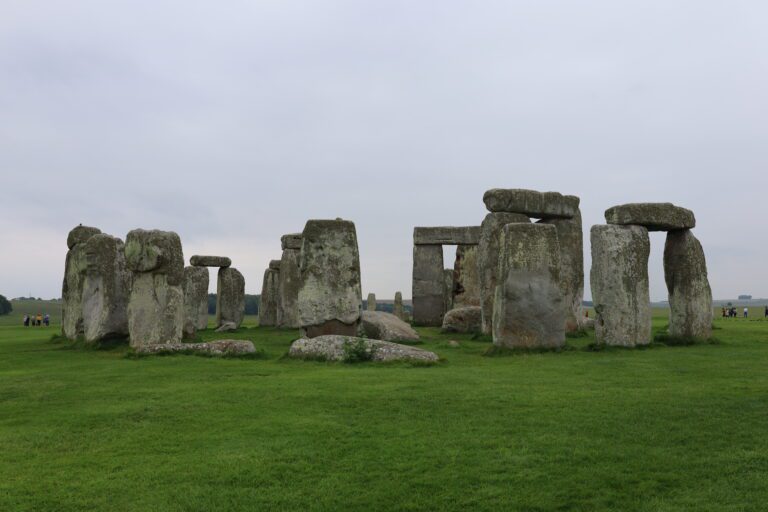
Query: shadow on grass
{"points": [[109, 343]]}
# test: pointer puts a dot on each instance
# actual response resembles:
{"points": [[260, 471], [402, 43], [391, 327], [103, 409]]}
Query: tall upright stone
{"points": [[619, 281], [289, 282], [488, 260], [230, 297], [528, 310], [156, 304], [571, 240], [690, 297], [370, 304], [330, 298], [397, 308], [466, 278], [428, 285], [196, 280], [270, 295], [72, 287], [105, 289], [447, 290]]}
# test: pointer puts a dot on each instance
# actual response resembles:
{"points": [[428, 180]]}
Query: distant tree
{"points": [[5, 305], [251, 304]]}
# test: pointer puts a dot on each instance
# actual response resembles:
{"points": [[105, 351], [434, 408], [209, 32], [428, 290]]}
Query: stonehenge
{"points": [[289, 282], [447, 290], [196, 281], [75, 268], [380, 325], [397, 308], [466, 279], [210, 261], [690, 297], [230, 297], [106, 286], [652, 216], [370, 303], [332, 348], [464, 320], [270, 295], [539, 205]]}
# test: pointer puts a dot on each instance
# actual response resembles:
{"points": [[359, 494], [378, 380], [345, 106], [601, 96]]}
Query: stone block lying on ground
{"points": [[463, 320], [227, 327], [216, 348], [332, 348], [380, 325]]}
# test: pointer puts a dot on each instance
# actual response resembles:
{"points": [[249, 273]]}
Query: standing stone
{"points": [[270, 295], [619, 280], [156, 304], [105, 289], [196, 281], [528, 310], [230, 297], [488, 260], [690, 297], [466, 279], [447, 291], [330, 299], [428, 285], [397, 308], [72, 287], [571, 239], [289, 282], [371, 302]]}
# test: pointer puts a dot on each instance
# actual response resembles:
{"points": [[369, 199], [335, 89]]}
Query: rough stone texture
{"points": [[210, 261], [227, 327], [619, 280], [466, 278], [467, 320], [370, 304], [397, 307], [380, 325], [690, 297], [195, 300], [428, 285], [274, 264], [528, 310], [488, 260], [570, 237], [654, 216], [541, 205], [446, 235], [331, 348], [156, 305], [447, 291], [75, 267], [330, 299], [270, 295], [230, 296], [291, 241], [217, 348], [106, 288], [289, 282]]}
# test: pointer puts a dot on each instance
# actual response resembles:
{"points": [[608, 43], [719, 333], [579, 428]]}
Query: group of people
{"points": [[37, 320], [731, 312]]}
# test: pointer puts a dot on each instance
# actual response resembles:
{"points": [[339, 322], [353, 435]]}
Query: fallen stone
{"points": [[466, 278], [227, 327], [453, 344], [540, 205], [270, 296], [463, 320], [106, 289], [291, 241], [380, 325], [428, 285], [75, 267], [217, 348], [195, 300], [210, 261], [690, 296], [446, 235], [230, 296], [653, 216], [331, 348]]}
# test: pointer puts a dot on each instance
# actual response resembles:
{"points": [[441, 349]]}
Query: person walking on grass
{"points": [[46, 320], [746, 312], [766, 311], [26, 320]]}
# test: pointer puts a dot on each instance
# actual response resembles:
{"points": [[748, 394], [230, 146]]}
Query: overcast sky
{"points": [[234, 122]]}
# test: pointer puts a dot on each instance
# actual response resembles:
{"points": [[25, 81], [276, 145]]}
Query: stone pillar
{"points": [[270, 295], [156, 304], [330, 299], [371, 302], [230, 297], [196, 281], [447, 290], [571, 240], [619, 281], [690, 297], [428, 285], [106, 287], [528, 309], [74, 276], [397, 308], [466, 279], [488, 260], [289, 282]]}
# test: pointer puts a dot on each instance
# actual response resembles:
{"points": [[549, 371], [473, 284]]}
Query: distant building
{"points": [[745, 297]]}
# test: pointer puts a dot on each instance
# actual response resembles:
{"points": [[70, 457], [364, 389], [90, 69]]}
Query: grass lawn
{"points": [[660, 429]]}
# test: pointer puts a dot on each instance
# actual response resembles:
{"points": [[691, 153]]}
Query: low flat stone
{"points": [[465, 320], [381, 325], [291, 241], [331, 348], [227, 327], [210, 261], [446, 235], [653, 216], [218, 348], [540, 205]]}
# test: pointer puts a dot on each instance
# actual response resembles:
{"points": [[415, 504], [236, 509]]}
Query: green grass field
{"points": [[659, 429]]}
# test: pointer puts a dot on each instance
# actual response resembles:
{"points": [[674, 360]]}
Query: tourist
{"points": [[39, 320], [724, 313], [766, 311], [46, 320], [746, 312], [26, 320]]}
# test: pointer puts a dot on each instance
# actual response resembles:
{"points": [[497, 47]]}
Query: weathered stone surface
{"points": [[690, 297], [330, 299], [291, 241], [380, 325], [528, 310], [156, 304], [397, 309], [274, 264], [227, 327], [428, 285], [488, 260], [80, 235], [289, 283], [210, 261], [570, 237], [466, 279], [196, 281], [370, 303], [619, 280], [653, 216], [447, 290], [217, 348], [541, 205], [446, 235], [331, 348], [230, 296], [465, 319], [106, 288], [270, 296]]}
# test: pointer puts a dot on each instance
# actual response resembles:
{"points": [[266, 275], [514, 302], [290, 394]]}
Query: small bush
{"points": [[358, 351]]}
